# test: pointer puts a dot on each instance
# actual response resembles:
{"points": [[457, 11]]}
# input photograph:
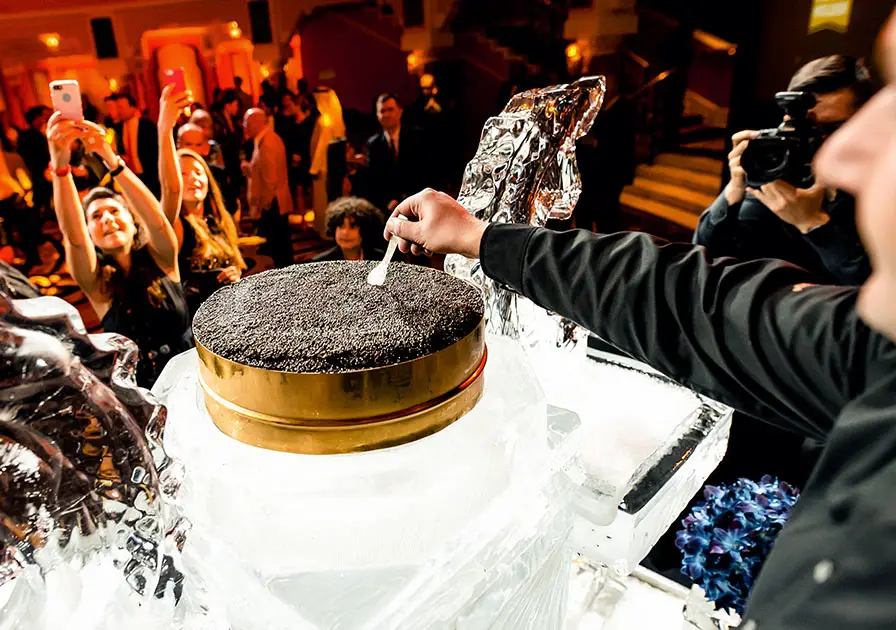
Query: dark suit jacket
{"points": [[392, 178], [147, 152]]}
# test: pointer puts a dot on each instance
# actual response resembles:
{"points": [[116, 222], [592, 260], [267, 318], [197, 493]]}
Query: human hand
{"points": [[437, 224], [229, 275], [94, 139], [246, 168], [736, 188], [61, 135], [800, 207], [361, 159], [171, 105]]}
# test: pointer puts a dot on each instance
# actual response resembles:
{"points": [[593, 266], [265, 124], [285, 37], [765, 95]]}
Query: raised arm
{"points": [[80, 255], [752, 335], [170, 107], [162, 241]]}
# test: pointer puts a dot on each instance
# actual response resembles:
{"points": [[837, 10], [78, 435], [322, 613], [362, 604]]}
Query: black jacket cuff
{"points": [[502, 252]]}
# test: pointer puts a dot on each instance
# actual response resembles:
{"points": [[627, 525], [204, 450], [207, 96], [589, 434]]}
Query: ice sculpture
{"points": [[466, 528], [84, 530], [524, 171], [647, 443]]}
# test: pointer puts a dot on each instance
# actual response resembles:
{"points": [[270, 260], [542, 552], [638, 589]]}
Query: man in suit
{"points": [[395, 156], [269, 198], [138, 143]]}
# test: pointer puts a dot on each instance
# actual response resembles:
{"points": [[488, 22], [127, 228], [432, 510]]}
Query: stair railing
{"points": [[654, 131]]}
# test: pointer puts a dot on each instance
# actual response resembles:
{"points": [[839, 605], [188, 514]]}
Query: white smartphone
{"points": [[66, 98]]}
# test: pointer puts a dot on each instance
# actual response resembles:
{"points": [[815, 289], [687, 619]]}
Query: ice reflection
{"points": [[82, 469], [524, 171]]}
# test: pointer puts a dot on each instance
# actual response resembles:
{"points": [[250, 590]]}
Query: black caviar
{"points": [[324, 317]]}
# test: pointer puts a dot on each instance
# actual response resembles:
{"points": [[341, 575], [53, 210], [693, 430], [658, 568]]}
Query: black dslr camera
{"points": [[786, 152]]}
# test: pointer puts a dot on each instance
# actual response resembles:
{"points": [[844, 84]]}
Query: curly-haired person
{"points": [[357, 226]]}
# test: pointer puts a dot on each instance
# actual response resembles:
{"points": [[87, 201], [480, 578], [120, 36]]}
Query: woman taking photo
{"points": [[209, 255], [121, 251]]}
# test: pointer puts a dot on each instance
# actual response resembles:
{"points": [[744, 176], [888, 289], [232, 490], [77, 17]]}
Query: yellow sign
{"points": [[830, 14]]}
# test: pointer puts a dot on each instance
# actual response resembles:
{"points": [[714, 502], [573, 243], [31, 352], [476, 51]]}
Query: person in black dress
{"points": [[121, 250], [209, 255]]}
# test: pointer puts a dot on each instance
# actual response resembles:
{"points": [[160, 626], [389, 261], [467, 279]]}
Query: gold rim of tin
{"points": [[333, 437], [347, 411], [298, 396]]}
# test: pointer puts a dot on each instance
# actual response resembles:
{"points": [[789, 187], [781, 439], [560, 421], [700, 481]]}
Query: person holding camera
{"points": [[772, 207]]}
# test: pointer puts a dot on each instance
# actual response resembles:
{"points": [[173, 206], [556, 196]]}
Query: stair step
{"points": [[664, 211], [713, 144], [702, 182], [691, 162], [672, 194]]}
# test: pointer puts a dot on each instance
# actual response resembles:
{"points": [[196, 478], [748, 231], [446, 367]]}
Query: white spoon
{"points": [[377, 275]]}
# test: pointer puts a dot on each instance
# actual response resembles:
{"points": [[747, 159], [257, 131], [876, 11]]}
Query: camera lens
{"points": [[772, 159], [766, 159]]}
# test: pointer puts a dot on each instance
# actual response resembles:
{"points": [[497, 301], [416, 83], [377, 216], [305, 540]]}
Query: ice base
{"points": [[648, 446], [466, 529]]}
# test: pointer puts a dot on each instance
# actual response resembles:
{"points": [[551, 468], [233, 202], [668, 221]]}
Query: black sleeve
{"points": [[751, 335], [717, 226], [841, 252]]}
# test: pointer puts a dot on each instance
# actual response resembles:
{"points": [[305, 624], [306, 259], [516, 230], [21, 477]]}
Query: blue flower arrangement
{"points": [[727, 537]]}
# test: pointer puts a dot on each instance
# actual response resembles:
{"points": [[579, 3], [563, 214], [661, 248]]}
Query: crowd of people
{"points": [[151, 213], [151, 216]]}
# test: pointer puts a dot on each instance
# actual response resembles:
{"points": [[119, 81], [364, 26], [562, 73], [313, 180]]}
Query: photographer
{"points": [[809, 226]]}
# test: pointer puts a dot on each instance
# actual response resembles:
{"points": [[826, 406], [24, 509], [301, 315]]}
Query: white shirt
{"points": [[394, 140]]}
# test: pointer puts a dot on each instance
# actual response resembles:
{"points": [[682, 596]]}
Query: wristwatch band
{"points": [[117, 170]]}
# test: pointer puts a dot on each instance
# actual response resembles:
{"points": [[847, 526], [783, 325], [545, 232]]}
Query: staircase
{"points": [[667, 197], [523, 31]]}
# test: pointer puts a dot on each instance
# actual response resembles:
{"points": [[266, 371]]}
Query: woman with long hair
{"points": [[209, 256], [209, 253], [120, 249]]}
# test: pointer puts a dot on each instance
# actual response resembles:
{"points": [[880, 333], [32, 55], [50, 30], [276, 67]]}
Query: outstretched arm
{"points": [[170, 106], [80, 255], [751, 335]]}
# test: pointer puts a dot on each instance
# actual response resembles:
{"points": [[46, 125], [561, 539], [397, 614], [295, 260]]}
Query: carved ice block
{"points": [[647, 447], [467, 528]]}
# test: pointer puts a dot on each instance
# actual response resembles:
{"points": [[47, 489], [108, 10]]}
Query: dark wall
{"points": [[356, 52], [786, 46], [775, 43]]}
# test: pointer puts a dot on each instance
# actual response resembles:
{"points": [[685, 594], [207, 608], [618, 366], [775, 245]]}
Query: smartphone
{"points": [[176, 78], [66, 98]]}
